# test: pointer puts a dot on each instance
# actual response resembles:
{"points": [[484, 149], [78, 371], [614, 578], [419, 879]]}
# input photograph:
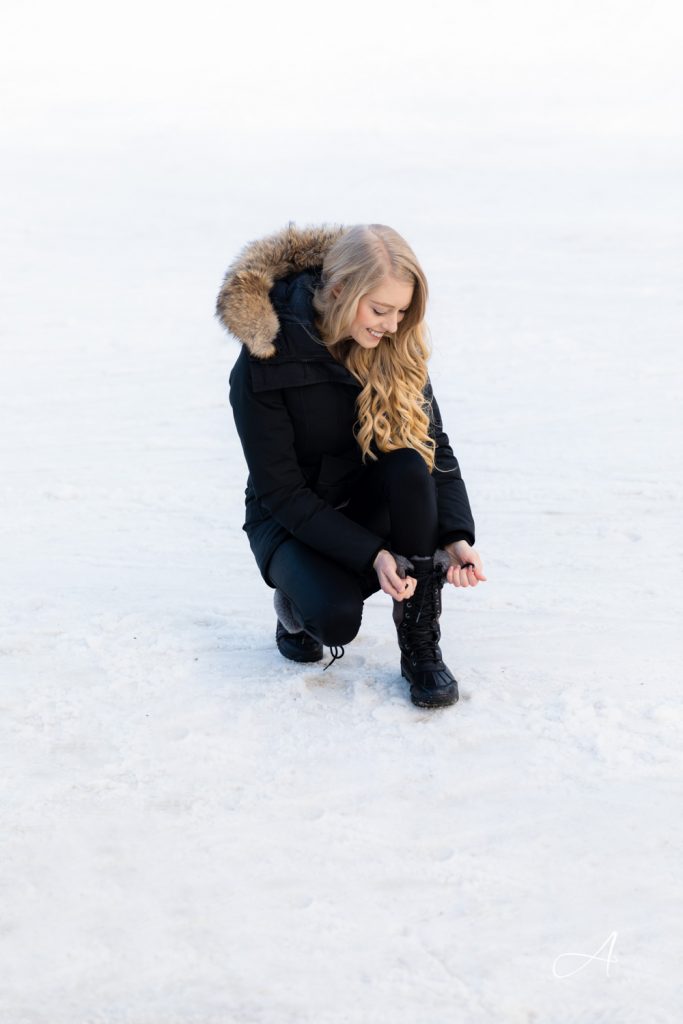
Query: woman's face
{"points": [[380, 311]]}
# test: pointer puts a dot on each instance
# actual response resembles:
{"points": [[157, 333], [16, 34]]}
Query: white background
{"points": [[195, 830]]}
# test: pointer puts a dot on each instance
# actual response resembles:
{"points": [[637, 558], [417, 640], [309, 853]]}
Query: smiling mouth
{"points": [[375, 334]]}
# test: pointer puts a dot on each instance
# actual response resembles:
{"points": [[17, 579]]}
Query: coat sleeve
{"points": [[267, 435], [455, 516]]}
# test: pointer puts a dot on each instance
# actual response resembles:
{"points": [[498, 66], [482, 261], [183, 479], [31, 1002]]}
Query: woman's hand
{"points": [[389, 579], [465, 569]]}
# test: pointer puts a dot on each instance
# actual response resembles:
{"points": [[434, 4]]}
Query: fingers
{"points": [[389, 580], [469, 574], [463, 576], [398, 588]]}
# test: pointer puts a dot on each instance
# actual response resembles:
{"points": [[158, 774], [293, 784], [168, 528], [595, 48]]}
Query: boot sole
{"points": [[303, 658]]}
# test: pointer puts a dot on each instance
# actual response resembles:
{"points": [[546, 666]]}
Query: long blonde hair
{"points": [[392, 409]]}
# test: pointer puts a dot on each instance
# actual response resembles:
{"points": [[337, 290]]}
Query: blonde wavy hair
{"points": [[392, 409]]}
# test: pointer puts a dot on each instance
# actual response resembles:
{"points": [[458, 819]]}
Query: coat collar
{"points": [[263, 290], [301, 356]]}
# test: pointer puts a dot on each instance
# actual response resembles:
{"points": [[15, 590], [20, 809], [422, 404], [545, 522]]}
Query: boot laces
{"points": [[333, 652], [423, 632]]}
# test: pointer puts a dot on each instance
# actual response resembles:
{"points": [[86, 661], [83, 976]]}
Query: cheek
{"points": [[364, 317]]}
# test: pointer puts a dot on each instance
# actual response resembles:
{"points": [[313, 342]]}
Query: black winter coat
{"points": [[294, 411]]}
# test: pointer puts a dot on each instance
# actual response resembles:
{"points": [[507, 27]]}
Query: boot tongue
{"points": [[425, 631]]}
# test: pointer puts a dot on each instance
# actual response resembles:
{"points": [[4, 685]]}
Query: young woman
{"points": [[353, 486]]}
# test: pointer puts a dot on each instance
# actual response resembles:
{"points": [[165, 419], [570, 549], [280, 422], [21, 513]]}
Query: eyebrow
{"points": [[378, 303]]}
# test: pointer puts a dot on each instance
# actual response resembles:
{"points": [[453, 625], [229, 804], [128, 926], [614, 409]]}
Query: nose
{"points": [[390, 323]]}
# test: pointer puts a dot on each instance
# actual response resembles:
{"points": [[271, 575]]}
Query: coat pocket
{"points": [[337, 476]]}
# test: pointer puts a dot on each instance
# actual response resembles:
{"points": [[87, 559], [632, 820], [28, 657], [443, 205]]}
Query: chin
{"points": [[368, 341]]}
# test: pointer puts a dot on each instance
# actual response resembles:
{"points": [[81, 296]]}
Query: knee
{"points": [[407, 466], [335, 622]]}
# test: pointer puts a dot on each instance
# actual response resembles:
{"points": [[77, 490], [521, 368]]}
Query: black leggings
{"points": [[396, 499]]}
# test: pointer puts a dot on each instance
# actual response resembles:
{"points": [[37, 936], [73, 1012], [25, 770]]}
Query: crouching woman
{"points": [[353, 486]]}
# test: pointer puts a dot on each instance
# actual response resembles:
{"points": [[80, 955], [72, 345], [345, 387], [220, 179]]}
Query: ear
{"points": [[336, 290]]}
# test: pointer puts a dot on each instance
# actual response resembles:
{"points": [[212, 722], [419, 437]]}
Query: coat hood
{"points": [[244, 305]]}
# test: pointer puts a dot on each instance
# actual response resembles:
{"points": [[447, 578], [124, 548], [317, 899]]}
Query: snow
{"points": [[194, 829]]}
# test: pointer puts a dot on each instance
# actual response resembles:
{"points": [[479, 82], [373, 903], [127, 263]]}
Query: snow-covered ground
{"points": [[194, 830]]}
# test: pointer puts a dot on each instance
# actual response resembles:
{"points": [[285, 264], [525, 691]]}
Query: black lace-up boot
{"points": [[292, 640], [432, 685], [299, 646]]}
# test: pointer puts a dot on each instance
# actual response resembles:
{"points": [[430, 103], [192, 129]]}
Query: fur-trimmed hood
{"points": [[243, 305]]}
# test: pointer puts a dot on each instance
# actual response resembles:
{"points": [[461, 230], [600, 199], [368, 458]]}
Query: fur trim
{"points": [[403, 565], [243, 306], [286, 613], [442, 561]]}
